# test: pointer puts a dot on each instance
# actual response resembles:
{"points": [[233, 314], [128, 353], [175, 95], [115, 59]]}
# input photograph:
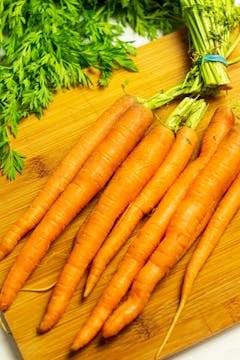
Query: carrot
{"points": [[93, 175], [154, 190], [143, 245], [188, 221], [179, 155], [224, 213], [64, 173], [121, 190]]}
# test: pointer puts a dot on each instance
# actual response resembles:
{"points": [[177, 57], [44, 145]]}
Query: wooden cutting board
{"points": [[215, 301]]}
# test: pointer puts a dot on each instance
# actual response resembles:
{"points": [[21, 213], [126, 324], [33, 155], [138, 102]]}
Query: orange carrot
{"points": [[93, 175], [64, 173], [188, 221], [144, 244], [125, 185], [177, 158], [122, 188], [157, 187], [154, 190], [224, 213]]}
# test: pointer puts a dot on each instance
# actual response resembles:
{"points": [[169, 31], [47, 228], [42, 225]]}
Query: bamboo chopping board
{"points": [[215, 301]]}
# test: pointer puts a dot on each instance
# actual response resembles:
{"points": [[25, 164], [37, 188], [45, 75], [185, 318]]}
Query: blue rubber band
{"points": [[212, 58]]}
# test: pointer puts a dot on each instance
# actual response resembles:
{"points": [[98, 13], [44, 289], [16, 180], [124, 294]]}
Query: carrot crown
{"points": [[188, 112]]}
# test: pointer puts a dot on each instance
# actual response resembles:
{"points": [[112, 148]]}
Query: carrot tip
{"points": [[2, 255], [109, 330], [39, 331], [43, 327], [87, 291], [3, 304], [74, 347], [77, 345]]}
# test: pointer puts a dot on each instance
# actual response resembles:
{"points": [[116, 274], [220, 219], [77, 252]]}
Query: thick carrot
{"points": [[188, 221], [154, 190], [64, 173], [125, 185], [91, 178], [224, 213], [144, 243]]}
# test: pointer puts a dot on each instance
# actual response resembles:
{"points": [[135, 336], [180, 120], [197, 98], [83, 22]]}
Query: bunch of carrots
{"points": [[139, 164]]}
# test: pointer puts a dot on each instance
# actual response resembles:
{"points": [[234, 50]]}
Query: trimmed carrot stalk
{"points": [[224, 213], [125, 185], [176, 160], [122, 188], [144, 244], [188, 221], [94, 174], [64, 173]]}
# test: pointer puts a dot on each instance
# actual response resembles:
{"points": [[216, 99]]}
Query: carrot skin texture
{"points": [[124, 186], [144, 244], [94, 174], [179, 155], [64, 173], [221, 218], [188, 221]]}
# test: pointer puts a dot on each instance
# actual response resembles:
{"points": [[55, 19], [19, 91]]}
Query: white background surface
{"points": [[225, 346]]}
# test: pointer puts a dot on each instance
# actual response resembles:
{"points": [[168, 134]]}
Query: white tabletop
{"points": [[224, 346]]}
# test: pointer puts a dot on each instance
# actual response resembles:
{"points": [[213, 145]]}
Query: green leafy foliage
{"points": [[210, 24], [47, 45], [210, 29], [145, 17]]}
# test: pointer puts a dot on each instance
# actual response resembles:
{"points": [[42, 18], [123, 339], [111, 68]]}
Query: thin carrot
{"points": [[224, 213], [64, 173], [177, 158], [188, 221], [91, 178], [125, 185], [144, 244]]}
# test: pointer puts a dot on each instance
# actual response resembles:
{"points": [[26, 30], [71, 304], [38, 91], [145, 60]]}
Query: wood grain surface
{"points": [[215, 301]]}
